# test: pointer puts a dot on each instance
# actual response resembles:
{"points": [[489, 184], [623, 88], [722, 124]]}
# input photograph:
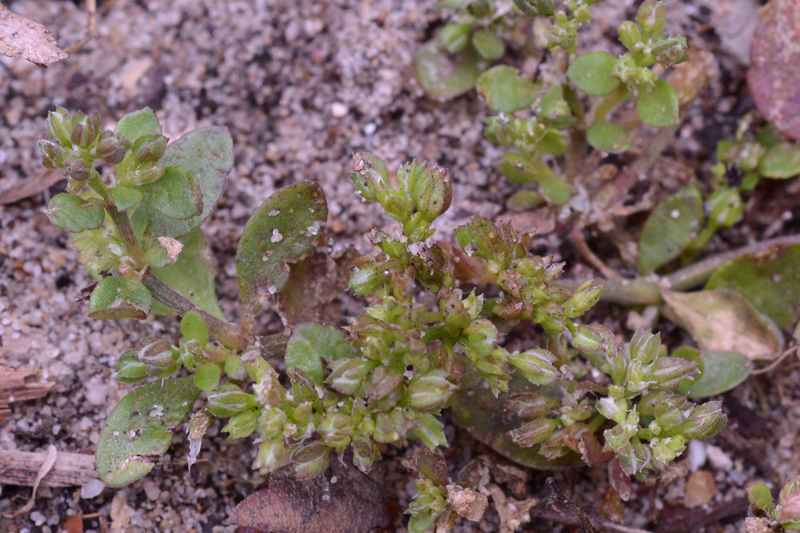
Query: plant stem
{"points": [[647, 290], [228, 334], [610, 101], [121, 221]]}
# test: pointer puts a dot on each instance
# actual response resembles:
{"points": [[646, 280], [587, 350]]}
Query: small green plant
{"points": [[561, 124], [422, 339], [783, 515]]}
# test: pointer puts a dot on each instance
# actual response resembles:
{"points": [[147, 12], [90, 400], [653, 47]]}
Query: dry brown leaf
{"points": [[49, 461], [468, 503], [21, 37], [724, 320], [513, 513], [31, 186], [343, 500], [774, 76]]}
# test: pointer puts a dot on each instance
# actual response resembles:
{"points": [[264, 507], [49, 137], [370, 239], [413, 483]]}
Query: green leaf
{"points": [[137, 124], [505, 90], [125, 197], [74, 214], [668, 230], [723, 371], [781, 160], [443, 77], [208, 154], [521, 170], [176, 195], [609, 136], [479, 412], [422, 522], [723, 320], [591, 73], [115, 298], [692, 355], [284, 229], [770, 281], [658, 107], [310, 342], [141, 425], [193, 327], [206, 376], [99, 249], [192, 274], [488, 44]]}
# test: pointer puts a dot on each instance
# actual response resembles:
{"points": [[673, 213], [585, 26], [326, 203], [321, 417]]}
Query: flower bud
{"points": [[667, 449], [536, 365], [644, 346], [347, 374], [364, 280], [234, 367], [53, 153], [310, 460], [432, 192], [789, 489], [146, 173], [534, 432], [371, 177], [480, 336], [365, 453], [112, 148], [228, 401], [531, 404], [149, 148], [634, 457], [242, 424], [629, 34], [454, 37], [77, 168], [85, 129], [430, 391], [705, 421], [385, 431], [59, 126], [335, 428], [670, 52], [158, 353], [725, 208], [585, 296], [130, 369], [667, 372], [596, 342], [652, 16], [272, 455], [610, 407]]}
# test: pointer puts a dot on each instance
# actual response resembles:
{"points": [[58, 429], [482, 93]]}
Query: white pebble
{"points": [[696, 454], [92, 489], [718, 458], [675, 213], [276, 236], [339, 110], [370, 128]]}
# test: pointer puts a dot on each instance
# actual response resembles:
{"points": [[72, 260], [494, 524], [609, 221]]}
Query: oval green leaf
{"points": [[488, 44], [115, 298], [781, 161], [74, 214], [176, 195], [591, 73], [208, 154], [141, 425], [668, 230], [125, 198], [283, 230], [505, 90], [137, 124], [770, 281], [206, 376], [443, 77], [658, 107], [192, 275], [723, 371], [609, 136], [310, 342]]}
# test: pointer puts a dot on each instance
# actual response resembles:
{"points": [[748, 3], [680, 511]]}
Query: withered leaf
{"points": [[21, 37], [30, 186], [724, 320], [774, 78], [343, 500]]}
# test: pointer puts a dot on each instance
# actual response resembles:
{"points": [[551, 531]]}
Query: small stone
{"points": [[38, 518], [339, 110], [92, 489], [696, 454], [152, 490], [718, 459], [700, 489]]}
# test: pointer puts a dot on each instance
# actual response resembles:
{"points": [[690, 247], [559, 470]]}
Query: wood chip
{"points": [[20, 386], [700, 489], [21, 37], [31, 186], [69, 470]]}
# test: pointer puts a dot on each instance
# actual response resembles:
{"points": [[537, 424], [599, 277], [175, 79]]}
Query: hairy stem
{"points": [[228, 334], [121, 221]]}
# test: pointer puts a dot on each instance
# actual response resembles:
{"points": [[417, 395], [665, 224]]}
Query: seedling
{"points": [[403, 361]]}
